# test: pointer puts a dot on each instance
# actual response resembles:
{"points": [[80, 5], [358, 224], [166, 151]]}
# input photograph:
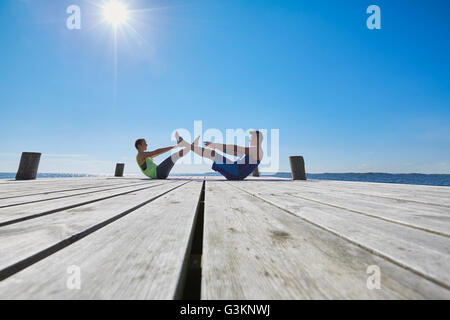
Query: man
{"points": [[249, 157], [161, 171]]}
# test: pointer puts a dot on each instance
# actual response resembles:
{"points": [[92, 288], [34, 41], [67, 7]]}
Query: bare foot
{"points": [[180, 141], [177, 137], [195, 143]]}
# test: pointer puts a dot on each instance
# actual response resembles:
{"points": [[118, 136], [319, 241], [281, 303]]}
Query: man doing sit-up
{"points": [[249, 157]]}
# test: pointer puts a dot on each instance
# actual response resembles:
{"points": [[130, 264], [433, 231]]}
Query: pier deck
{"points": [[188, 238]]}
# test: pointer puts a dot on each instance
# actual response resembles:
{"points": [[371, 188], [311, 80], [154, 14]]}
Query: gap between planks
{"points": [[84, 186], [74, 205], [340, 235], [27, 262]]}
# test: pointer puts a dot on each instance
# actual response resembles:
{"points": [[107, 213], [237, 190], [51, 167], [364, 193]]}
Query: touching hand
{"points": [[196, 141], [178, 138]]}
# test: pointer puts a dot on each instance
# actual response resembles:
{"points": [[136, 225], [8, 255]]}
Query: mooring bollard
{"points": [[28, 167], [119, 169], [297, 168], [255, 173]]}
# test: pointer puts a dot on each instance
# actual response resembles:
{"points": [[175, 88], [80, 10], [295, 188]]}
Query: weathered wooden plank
{"points": [[253, 250], [421, 252], [52, 181], [424, 194], [387, 189], [22, 240], [140, 256], [383, 185], [17, 189], [25, 187], [58, 188], [431, 218], [16, 201], [389, 196], [12, 180], [14, 214], [44, 181]]}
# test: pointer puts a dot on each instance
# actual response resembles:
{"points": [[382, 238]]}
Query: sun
{"points": [[115, 12]]}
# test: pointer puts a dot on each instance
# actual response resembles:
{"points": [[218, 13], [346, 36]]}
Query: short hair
{"points": [[258, 135], [138, 143]]}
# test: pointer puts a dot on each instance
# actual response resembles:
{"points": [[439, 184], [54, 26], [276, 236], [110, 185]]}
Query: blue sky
{"points": [[347, 98]]}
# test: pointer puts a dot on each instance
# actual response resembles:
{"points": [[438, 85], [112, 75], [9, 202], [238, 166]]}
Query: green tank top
{"points": [[148, 167]]}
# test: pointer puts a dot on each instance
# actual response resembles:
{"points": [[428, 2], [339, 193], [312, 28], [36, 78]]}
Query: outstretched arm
{"points": [[237, 151], [232, 149], [157, 152]]}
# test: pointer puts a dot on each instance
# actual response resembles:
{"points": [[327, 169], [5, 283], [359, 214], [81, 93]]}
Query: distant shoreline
{"points": [[400, 178]]}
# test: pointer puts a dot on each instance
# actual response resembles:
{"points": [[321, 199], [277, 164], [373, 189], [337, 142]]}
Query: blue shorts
{"points": [[237, 170]]}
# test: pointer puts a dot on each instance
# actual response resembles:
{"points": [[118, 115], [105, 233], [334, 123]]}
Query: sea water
{"points": [[403, 178]]}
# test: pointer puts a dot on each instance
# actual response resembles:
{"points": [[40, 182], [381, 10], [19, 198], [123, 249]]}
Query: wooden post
{"points": [[255, 173], [298, 168], [28, 167], [119, 169]]}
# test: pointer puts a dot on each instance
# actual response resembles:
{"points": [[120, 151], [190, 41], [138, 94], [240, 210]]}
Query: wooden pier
{"points": [[205, 238]]}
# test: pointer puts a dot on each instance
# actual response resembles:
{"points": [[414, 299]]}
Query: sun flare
{"points": [[115, 12]]}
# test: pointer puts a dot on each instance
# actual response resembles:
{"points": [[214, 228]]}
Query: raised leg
{"points": [[163, 170], [205, 153]]}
